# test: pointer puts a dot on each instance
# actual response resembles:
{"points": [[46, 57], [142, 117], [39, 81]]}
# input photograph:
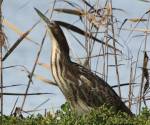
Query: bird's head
{"points": [[52, 25], [56, 32]]}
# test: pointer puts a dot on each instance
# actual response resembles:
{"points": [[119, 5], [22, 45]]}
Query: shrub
{"points": [[99, 116]]}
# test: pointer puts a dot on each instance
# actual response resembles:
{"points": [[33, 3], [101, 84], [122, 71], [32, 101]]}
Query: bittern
{"points": [[83, 89]]}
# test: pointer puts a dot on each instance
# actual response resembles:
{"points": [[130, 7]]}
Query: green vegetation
{"points": [[107, 38], [100, 116]]}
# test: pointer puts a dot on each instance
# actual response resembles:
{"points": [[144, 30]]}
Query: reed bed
{"points": [[108, 48]]}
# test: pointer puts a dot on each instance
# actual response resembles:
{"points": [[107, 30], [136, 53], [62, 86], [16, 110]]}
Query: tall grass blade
{"points": [[44, 65], [9, 86], [24, 94], [81, 32], [16, 29], [135, 20], [70, 11], [15, 45], [41, 78]]}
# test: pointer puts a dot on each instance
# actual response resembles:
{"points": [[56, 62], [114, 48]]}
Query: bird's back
{"points": [[93, 91]]}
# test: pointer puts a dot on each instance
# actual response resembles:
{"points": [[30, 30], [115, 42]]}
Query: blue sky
{"points": [[22, 14]]}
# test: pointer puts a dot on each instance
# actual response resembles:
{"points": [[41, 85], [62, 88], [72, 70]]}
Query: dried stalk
{"points": [[144, 63], [115, 56], [130, 86], [24, 94], [32, 73], [14, 106], [2, 40]]}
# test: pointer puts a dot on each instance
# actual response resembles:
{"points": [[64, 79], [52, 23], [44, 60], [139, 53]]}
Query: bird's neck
{"points": [[59, 53], [59, 62]]}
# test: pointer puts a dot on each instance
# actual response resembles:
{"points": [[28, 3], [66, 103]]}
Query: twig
{"points": [[114, 44], [25, 94], [14, 106], [144, 63], [2, 40], [31, 75]]}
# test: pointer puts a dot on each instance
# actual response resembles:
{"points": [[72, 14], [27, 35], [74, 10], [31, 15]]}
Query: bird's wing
{"points": [[95, 91]]}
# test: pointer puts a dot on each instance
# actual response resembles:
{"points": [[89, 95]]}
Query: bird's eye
{"points": [[52, 22]]}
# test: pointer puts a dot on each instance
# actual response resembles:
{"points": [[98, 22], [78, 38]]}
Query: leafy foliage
{"points": [[100, 116]]}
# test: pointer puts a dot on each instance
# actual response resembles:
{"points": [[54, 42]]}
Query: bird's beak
{"points": [[44, 18]]}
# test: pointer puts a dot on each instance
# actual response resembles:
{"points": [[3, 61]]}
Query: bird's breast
{"points": [[58, 69]]}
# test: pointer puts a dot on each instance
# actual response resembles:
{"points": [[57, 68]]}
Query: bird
{"points": [[83, 89]]}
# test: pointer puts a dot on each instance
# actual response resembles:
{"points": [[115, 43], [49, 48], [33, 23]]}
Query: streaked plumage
{"points": [[82, 88]]}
